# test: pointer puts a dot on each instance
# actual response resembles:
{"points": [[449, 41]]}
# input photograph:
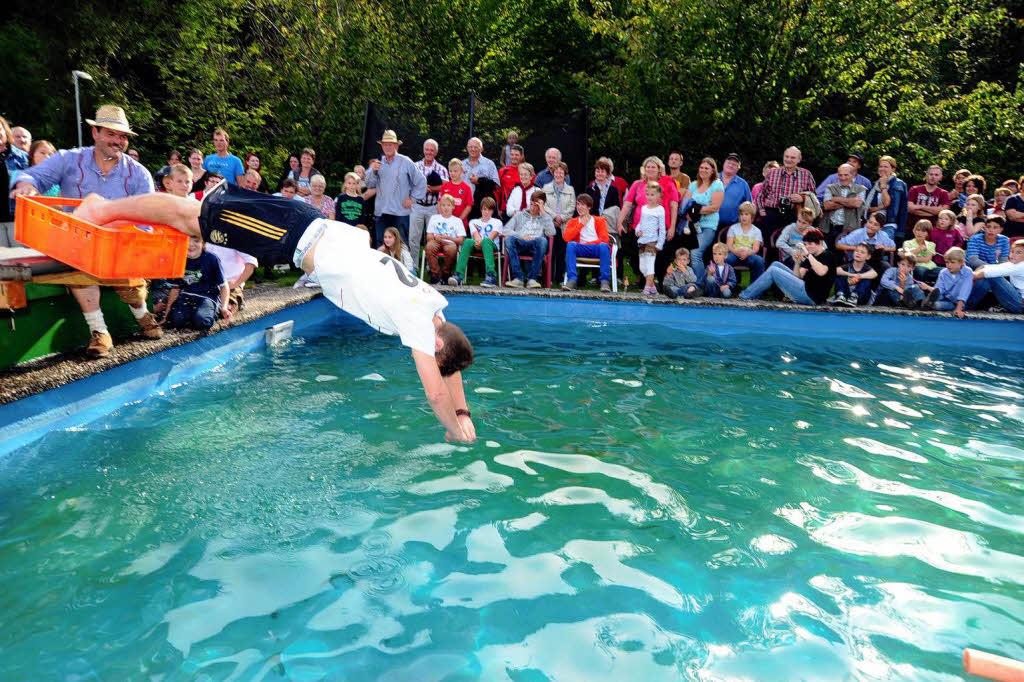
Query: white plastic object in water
{"points": [[280, 333]]}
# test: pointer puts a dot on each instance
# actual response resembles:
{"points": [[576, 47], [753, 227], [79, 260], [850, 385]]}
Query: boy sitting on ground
{"points": [[793, 234], [484, 232], [898, 286], [990, 246], [871, 234], [1005, 281], [200, 293], [744, 242], [853, 280], [720, 278], [680, 280], [952, 288]]}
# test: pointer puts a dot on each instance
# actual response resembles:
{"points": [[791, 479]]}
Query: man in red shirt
{"points": [[928, 200], [782, 193], [508, 176]]}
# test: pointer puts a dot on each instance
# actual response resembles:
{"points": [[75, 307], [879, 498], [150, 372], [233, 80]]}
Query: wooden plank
{"points": [[78, 278]]}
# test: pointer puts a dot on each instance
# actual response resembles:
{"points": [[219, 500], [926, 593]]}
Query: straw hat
{"points": [[109, 116], [389, 136]]}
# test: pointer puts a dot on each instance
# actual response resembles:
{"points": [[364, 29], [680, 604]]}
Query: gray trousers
{"points": [[418, 220]]}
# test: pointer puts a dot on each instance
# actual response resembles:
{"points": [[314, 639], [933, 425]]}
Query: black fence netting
{"points": [[448, 124]]}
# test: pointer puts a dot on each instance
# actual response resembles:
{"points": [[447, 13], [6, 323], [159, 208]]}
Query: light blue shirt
{"points": [[736, 192], [77, 174], [709, 221], [860, 236], [228, 167], [955, 287], [483, 168], [396, 181]]}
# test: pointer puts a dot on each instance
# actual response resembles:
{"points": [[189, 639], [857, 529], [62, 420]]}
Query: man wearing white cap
{"points": [[106, 170]]}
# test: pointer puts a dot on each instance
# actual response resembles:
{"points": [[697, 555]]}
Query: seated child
{"points": [[793, 233], [853, 280], [484, 233], [990, 246], [586, 236], [179, 181], [680, 280], [923, 252], [871, 234], [952, 288], [349, 206], [946, 234], [237, 268], [898, 287], [744, 242], [200, 293], [396, 248], [445, 234], [1005, 281], [720, 278]]}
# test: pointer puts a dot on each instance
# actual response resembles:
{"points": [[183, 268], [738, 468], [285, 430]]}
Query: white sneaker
{"points": [[515, 283], [534, 284], [838, 299]]}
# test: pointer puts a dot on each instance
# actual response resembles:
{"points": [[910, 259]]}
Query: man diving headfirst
{"points": [[365, 283]]}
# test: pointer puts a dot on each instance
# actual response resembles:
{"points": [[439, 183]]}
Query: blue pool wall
{"points": [[80, 402]]}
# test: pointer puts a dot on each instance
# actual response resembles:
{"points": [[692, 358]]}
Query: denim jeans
{"points": [[386, 220], [892, 298], [712, 290], [926, 275], [782, 277], [536, 247], [704, 239], [1005, 293], [861, 288], [574, 250], [195, 312], [753, 261]]}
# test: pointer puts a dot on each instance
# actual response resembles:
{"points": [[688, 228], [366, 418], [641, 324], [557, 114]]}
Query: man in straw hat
{"points": [[398, 183], [106, 170], [366, 283]]}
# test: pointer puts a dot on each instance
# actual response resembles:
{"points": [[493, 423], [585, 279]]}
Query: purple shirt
{"points": [[76, 172]]}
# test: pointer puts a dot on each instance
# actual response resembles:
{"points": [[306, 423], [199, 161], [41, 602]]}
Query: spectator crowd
{"points": [[859, 237]]}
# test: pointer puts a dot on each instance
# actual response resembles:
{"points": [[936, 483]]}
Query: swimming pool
{"points": [[645, 502]]}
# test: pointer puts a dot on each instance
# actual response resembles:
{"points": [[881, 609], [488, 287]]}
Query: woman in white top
{"points": [[519, 197]]}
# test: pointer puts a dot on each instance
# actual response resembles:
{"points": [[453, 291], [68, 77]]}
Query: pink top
{"points": [[755, 191], [669, 192]]}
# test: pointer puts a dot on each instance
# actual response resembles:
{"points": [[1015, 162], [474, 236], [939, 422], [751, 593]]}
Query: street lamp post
{"points": [[76, 75]]}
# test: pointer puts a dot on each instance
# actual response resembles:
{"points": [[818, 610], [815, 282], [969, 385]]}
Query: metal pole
{"points": [[78, 108], [472, 111], [366, 126]]}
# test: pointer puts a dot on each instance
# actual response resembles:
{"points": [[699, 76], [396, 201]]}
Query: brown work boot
{"points": [[100, 345], [151, 329]]}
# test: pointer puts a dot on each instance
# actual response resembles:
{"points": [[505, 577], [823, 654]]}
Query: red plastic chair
{"points": [[527, 259]]}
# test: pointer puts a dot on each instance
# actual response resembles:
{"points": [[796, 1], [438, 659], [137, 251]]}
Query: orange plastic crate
{"points": [[118, 250]]}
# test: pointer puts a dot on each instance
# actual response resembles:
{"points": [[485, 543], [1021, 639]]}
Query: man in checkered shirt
{"points": [[782, 193]]}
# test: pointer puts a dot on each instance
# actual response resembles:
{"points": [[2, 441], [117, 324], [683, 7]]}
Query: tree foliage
{"points": [[925, 82]]}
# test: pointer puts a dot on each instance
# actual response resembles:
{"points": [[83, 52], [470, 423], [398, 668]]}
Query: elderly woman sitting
{"points": [[317, 198]]}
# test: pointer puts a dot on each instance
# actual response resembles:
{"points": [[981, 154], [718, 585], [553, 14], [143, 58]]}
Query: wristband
{"points": [[463, 413]]}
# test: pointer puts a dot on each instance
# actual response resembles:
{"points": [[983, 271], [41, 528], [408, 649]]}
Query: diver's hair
{"points": [[456, 352]]}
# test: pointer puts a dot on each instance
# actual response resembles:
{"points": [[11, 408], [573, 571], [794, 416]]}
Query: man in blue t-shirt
{"points": [[226, 164]]}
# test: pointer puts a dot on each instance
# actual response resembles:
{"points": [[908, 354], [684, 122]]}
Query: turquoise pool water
{"points": [[643, 504]]}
